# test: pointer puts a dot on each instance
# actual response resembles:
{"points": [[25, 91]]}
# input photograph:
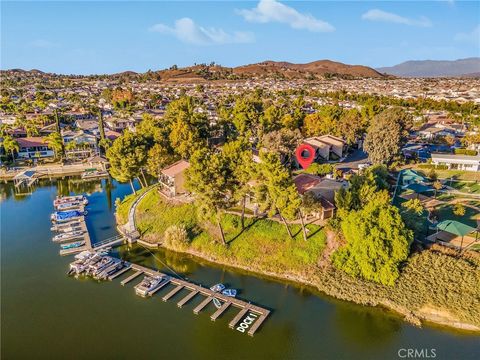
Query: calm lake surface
{"points": [[48, 315]]}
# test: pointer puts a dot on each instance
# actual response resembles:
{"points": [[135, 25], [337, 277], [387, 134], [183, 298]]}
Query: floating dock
{"points": [[196, 290], [86, 238]]}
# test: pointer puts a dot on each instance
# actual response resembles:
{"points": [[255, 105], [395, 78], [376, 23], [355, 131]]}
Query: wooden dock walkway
{"points": [[187, 298], [245, 307], [173, 292], [130, 278], [120, 272], [204, 303], [220, 311]]}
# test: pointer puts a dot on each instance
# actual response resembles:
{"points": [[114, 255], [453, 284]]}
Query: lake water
{"points": [[47, 315]]}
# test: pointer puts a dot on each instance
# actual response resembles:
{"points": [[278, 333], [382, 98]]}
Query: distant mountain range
{"points": [[313, 70], [435, 68]]}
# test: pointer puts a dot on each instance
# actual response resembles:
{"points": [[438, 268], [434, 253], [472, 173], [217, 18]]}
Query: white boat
{"points": [[229, 292], [65, 225], [217, 303], [70, 229], [82, 260], [116, 265], [94, 174], [100, 265], [70, 205], [148, 285], [217, 287], [68, 236], [68, 199]]}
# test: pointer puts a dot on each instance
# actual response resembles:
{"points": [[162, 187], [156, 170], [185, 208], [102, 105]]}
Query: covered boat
{"points": [[72, 245], [61, 216]]}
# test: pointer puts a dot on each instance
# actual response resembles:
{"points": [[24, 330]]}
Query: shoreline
{"points": [[413, 317], [332, 283]]}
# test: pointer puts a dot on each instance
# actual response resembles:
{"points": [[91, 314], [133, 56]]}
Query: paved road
{"points": [[353, 160]]}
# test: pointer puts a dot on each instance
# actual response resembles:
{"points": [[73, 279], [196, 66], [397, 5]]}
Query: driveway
{"points": [[352, 160]]}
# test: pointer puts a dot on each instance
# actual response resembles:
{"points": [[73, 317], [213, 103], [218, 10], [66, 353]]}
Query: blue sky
{"points": [[106, 37]]}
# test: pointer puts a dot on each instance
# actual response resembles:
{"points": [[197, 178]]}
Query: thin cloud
{"points": [[273, 11], [187, 31], [383, 16], [470, 37], [43, 44]]}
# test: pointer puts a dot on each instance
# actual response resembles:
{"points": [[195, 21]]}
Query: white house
{"points": [[460, 162], [33, 147]]}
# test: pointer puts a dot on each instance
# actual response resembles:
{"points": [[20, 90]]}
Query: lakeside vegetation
{"points": [[433, 284]]}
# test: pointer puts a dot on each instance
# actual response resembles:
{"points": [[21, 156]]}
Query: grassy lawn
{"points": [[455, 174], [264, 243], [445, 212], [429, 280], [123, 206], [467, 187]]}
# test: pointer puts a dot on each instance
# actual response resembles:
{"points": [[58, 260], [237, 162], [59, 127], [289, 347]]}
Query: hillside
{"points": [[435, 68]]}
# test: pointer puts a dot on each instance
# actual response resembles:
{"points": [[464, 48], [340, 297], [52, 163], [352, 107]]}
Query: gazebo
{"points": [[457, 228]]}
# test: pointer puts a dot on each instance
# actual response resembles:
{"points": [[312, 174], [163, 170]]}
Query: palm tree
{"points": [[10, 145], [55, 142]]}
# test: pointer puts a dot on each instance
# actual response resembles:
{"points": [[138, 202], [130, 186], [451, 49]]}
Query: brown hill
{"points": [[279, 69], [315, 68]]}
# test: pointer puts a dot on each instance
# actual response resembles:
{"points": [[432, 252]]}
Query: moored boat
{"points": [[148, 285], [68, 236], [73, 245], [217, 287], [229, 292], [116, 265], [68, 199], [217, 303], [63, 216]]}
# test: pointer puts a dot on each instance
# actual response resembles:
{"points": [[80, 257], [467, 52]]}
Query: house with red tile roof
{"points": [[33, 147]]}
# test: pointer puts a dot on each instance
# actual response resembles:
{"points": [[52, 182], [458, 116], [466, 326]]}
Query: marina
{"points": [[71, 225]]}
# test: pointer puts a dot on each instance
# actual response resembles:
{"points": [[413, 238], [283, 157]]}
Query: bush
{"points": [[176, 237], [319, 169], [465, 152]]}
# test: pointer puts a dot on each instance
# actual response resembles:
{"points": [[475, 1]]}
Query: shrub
{"points": [[176, 237], [465, 152], [319, 169]]}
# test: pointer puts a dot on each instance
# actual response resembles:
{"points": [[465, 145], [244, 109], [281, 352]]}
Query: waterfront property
{"points": [[33, 147], [457, 162], [172, 178]]}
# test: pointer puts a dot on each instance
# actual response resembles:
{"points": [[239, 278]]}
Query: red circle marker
{"points": [[303, 160]]}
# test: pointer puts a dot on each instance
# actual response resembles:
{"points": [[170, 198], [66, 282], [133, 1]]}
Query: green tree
{"points": [[127, 156], [279, 192], [10, 145], [382, 142], [437, 185], [55, 142], [459, 209], [208, 178], [377, 241]]}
